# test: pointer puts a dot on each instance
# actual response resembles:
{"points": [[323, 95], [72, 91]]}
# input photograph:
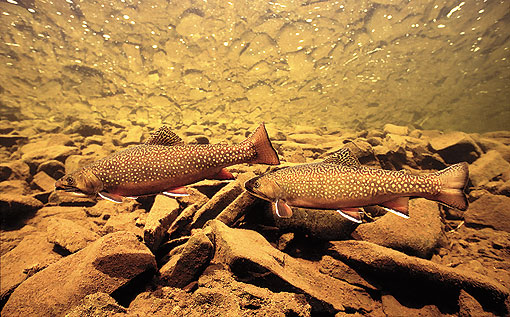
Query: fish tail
{"points": [[266, 154], [453, 179]]}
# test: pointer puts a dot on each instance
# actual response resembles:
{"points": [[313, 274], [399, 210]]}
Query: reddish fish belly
{"points": [[319, 203], [158, 186]]}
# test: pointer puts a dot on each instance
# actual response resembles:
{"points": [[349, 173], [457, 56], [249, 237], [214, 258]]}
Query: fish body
{"points": [[165, 164], [341, 183]]}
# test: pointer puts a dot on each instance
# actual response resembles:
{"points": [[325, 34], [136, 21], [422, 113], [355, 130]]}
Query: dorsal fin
{"points": [[343, 157], [164, 136]]}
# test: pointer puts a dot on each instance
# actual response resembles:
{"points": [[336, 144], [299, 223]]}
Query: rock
{"points": [[33, 251], [43, 181], [133, 136], [75, 162], [218, 294], [17, 207], [395, 129], [52, 152], [251, 257], [489, 166], [419, 279], [341, 271], [103, 266], [489, 211], [185, 267], [307, 138], [419, 235], [469, 306], [69, 235], [97, 304], [84, 128], [455, 147], [219, 201], [392, 307], [15, 187], [8, 140], [124, 222], [53, 168], [14, 170], [61, 198], [236, 209], [163, 212], [106, 207]]}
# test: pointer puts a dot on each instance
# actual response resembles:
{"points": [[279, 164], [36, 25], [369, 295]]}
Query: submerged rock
{"points": [[489, 166], [69, 235], [97, 304], [163, 212], [455, 147], [489, 211], [16, 207], [103, 266]]}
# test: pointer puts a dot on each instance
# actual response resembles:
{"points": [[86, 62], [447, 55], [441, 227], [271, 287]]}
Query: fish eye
{"points": [[70, 180], [256, 184]]}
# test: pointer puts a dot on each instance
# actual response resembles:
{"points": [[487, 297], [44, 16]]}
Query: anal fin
{"points": [[224, 174], [399, 206], [176, 192], [282, 209], [111, 197]]}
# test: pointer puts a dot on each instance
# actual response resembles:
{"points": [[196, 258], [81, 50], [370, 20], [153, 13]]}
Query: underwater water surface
{"points": [[338, 64]]}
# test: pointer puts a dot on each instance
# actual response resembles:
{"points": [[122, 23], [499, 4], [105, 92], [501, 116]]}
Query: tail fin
{"points": [[454, 179], [266, 154]]}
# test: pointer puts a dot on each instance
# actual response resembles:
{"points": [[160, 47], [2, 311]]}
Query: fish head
{"points": [[265, 187], [80, 183]]}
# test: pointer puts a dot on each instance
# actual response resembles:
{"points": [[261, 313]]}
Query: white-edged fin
{"points": [[282, 209], [169, 194], [111, 197], [393, 211], [351, 215], [131, 197]]}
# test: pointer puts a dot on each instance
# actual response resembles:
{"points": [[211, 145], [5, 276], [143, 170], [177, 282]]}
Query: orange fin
{"points": [[353, 214], [454, 179], [282, 209], [111, 197], [266, 154], [399, 206], [224, 174], [176, 192]]}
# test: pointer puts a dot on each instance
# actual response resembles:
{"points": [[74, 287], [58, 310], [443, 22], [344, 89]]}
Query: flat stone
{"points": [[411, 275], [69, 235], [185, 267], [419, 235], [55, 169], [33, 251], [8, 140], [396, 129], [53, 152], [103, 266], [455, 147], [124, 222], [250, 256], [97, 304], [489, 211], [489, 166], [236, 209], [43, 181], [162, 214], [16, 169], [16, 207]]}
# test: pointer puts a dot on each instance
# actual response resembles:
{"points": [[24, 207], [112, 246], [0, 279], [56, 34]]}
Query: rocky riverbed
{"points": [[221, 251]]}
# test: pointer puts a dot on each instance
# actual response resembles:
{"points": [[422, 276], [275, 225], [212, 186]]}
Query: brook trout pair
{"points": [[341, 183], [164, 164]]}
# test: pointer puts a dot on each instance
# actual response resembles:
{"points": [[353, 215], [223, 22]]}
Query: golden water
{"points": [[338, 64]]}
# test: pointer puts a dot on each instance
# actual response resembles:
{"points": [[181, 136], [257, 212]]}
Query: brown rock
{"points": [[489, 166], [53, 152], [124, 222], [489, 211], [186, 266], [43, 181], [16, 207], [69, 235], [8, 140], [33, 251], [97, 304], [396, 129], [103, 266], [419, 235], [15, 187], [251, 257], [162, 214], [61, 198], [455, 147], [392, 307], [14, 170], [236, 209], [418, 277], [53, 168]]}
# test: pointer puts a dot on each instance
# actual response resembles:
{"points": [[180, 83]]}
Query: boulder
{"points": [[34, 252], [17, 207], [252, 258], [103, 266], [419, 279], [97, 304], [14, 170], [36, 156], [395, 129], [236, 209], [43, 181], [163, 212], [185, 266], [489, 211], [489, 166], [455, 147], [53, 168], [419, 235], [69, 235]]}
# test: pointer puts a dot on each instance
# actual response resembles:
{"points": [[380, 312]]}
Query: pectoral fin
{"points": [[111, 197], [282, 209], [399, 206], [353, 214], [224, 174], [176, 192]]}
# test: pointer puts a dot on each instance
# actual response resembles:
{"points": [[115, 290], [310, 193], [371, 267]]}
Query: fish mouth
{"points": [[69, 189], [251, 186]]}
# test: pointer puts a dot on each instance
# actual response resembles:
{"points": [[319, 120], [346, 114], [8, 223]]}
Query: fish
{"points": [[341, 183], [164, 164]]}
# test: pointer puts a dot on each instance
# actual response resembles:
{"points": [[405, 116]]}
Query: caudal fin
{"points": [[266, 154], [454, 179]]}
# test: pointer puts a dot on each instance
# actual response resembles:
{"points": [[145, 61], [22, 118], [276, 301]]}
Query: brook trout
{"points": [[341, 183], [163, 164]]}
